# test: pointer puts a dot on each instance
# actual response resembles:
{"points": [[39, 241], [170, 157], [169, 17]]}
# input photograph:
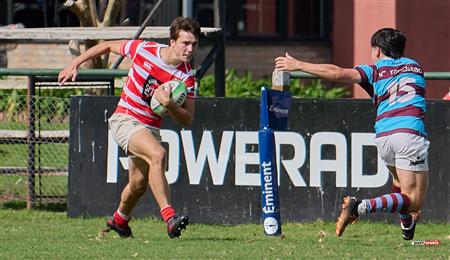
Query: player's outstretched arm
{"points": [[328, 72], [70, 72]]}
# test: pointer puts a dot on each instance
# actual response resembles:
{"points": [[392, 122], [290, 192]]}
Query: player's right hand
{"points": [[162, 94], [70, 72]]}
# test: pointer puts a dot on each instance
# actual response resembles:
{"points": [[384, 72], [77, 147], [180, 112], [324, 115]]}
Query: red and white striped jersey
{"points": [[147, 72]]}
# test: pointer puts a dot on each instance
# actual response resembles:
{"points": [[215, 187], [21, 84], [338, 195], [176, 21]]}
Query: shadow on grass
{"points": [[53, 207]]}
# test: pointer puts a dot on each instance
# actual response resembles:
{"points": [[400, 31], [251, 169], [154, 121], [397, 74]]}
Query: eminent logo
{"points": [[269, 206], [270, 225], [278, 110]]}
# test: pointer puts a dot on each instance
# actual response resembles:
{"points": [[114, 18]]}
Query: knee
{"points": [[158, 157], [138, 187]]}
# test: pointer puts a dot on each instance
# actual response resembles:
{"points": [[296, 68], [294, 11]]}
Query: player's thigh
{"points": [[146, 145], [413, 183], [393, 172]]}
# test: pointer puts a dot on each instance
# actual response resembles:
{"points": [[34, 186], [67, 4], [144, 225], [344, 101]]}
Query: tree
{"points": [[94, 13]]}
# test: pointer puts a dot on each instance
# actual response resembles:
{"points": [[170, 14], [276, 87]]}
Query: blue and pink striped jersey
{"points": [[397, 88]]}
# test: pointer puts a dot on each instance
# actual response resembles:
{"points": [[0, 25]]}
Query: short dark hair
{"points": [[391, 42], [184, 24]]}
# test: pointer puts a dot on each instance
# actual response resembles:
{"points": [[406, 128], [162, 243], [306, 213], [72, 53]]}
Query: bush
{"points": [[245, 86], [316, 89], [50, 101]]}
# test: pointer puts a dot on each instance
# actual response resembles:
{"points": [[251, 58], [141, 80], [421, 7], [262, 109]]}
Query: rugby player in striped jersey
{"points": [[397, 87], [135, 127]]}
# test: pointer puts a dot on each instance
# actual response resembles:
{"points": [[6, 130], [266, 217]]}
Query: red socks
{"points": [[167, 212], [120, 221]]}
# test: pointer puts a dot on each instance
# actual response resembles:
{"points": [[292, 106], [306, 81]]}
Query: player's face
{"points": [[185, 46]]}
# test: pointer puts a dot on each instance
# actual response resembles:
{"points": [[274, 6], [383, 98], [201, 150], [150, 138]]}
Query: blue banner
{"points": [[274, 116], [274, 109]]}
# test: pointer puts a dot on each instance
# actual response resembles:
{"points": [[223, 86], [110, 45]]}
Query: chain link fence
{"points": [[34, 157], [34, 139]]}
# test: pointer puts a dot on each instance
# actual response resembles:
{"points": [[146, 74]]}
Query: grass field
{"points": [[15, 186], [11, 125], [38, 234], [51, 155]]}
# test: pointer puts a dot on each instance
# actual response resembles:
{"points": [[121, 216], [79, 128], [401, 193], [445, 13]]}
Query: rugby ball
{"points": [[177, 95]]}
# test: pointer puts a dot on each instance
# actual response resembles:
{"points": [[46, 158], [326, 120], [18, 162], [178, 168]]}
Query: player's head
{"points": [[390, 42], [184, 24], [184, 35]]}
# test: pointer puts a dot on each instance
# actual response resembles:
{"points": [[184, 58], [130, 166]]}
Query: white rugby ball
{"points": [[178, 96]]}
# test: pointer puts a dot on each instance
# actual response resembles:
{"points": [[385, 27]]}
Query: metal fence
{"points": [[34, 157], [34, 136]]}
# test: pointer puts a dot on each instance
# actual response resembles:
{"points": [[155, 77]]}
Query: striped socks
{"points": [[405, 218], [167, 212], [393, 202]]}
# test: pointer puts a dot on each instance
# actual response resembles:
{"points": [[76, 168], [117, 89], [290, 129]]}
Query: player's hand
{"points": [[286, 63], [70, 72], [162, 94]]}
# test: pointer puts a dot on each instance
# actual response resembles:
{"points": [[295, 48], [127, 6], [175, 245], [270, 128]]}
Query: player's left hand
{"points": [[286, 63], [162, 94]]}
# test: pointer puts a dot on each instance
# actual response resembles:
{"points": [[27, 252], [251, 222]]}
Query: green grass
{"points": [[15, 186], [51, 235], [12, 125], [52, 155]]}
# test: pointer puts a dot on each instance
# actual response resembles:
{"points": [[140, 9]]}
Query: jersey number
{"points": [[401, 91]]}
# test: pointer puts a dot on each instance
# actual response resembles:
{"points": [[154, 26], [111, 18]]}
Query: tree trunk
{"points": [[88, 16]]}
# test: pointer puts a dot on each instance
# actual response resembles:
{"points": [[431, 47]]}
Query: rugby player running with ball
{"points": [[135, 127]]}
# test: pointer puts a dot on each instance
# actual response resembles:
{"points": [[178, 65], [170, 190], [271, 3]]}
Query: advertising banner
{"points": [[326, 153]]}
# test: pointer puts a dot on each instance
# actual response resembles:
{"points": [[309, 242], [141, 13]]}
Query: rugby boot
{"points": [[123, 231], [349, 214], [408, 232], [176, 224]]}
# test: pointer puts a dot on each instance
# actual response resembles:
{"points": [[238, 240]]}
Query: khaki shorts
{"points": [[123, 126], [404, 151]]}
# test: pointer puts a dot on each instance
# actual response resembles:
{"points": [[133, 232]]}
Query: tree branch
{"points": [[93, 12], [112, 10]]}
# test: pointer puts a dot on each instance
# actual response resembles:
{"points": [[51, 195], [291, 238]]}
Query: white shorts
{"points": [[404, 151], [123, 126]]}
